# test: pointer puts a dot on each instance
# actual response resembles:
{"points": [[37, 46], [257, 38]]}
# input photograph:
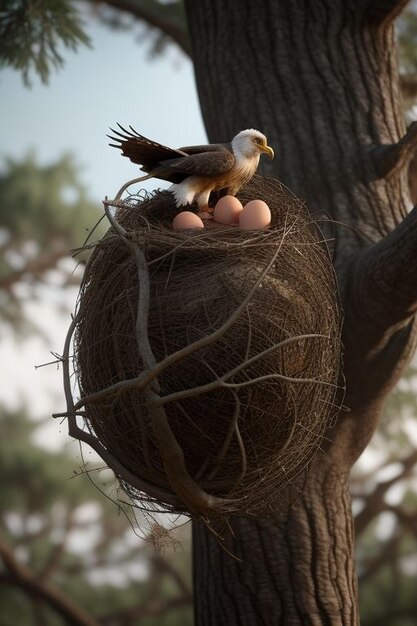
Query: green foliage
{"points": [[44, 212], [399, 410], [22, 463], [386, 580], [172, 12], [40, 203], [158, 23], [32, 32], [389, 599], [41, 504]]}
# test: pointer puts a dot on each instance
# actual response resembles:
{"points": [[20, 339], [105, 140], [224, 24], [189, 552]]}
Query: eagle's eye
{"points": [[258, 141]]}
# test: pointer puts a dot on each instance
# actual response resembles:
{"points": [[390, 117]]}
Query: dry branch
{"points": [[374, 502], [20, 575], [157, 16]]}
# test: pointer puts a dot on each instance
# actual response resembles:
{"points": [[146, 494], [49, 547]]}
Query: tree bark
{"points": [[294, 569], [320, 80]]}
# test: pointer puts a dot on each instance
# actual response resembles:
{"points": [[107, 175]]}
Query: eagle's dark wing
{"points": [[147, 153], [211, 147], [170, 164], [209, 163]]}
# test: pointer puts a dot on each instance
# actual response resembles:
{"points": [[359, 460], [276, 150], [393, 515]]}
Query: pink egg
{"points": [[186, 220], [227, 210], [255, 215]]}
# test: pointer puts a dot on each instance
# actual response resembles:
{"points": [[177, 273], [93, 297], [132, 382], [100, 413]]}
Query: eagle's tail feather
{"points": [[116, 132], [127, 132], [141, 150]]}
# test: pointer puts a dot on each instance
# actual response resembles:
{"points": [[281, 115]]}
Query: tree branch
{"points": [[146, 610], [392, 157], [171, 452], [381, 11], [384, 278], [407, 519], [387, 554], [75, 431], [374, 503], [164, 567], [380, 327], [166, 18], [393, 616], [35, 267], [57, 552], [408, 85], [21, 576]]}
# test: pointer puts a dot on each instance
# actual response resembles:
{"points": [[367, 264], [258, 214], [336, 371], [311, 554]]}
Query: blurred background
{"points": [[69, 552]]}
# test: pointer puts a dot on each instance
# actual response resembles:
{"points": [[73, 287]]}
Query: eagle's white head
{"points": [[249, 144]]}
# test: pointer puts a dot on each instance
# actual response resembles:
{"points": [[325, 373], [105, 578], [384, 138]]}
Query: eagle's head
{"points": [[250, 143]]}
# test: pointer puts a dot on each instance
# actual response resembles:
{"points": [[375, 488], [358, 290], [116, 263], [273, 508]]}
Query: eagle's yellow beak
{"points": [[268, 150]]}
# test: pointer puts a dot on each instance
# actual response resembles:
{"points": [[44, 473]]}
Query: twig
{"points": [[226, 443], [171, 452], [75, 431]]}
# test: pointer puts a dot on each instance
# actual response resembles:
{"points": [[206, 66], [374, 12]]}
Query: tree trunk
{"points": [[294, 569], [320, 80]]}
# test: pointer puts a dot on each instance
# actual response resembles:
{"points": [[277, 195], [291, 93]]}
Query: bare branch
{"points": [[374, 502], [57, 552], [159, 16], [153, 605], [221, 382], [391, 157], [171, 452], [384, 278], [75, 431], [407, 518], [174, 462], [35, 267], [165, 567], [382, 11], [143, 380], [387, 554], [408, 85], [226, 443], [21, 576]]}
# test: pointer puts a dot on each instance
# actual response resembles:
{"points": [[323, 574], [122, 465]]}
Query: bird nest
{"points": [[207, 360]]}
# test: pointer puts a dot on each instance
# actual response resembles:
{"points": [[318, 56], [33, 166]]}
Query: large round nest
{"points": [[247, 407]]}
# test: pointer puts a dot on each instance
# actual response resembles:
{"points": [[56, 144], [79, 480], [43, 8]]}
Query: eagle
{"points": [[196, 171]]}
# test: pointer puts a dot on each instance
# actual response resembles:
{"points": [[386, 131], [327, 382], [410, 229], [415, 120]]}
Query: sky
{"points": [[113, 82]]}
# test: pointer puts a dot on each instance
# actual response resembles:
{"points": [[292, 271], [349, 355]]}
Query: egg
{"points": [[255, 215], [186, 220], [227, 210]]}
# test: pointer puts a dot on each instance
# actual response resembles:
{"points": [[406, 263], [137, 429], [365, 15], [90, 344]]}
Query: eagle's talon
{"points": [[205, 215], [205, 208]]}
